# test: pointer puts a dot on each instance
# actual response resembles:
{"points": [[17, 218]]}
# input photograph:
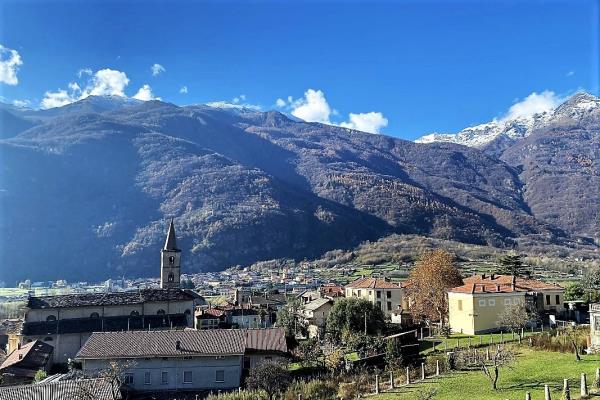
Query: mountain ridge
{"points": [[243, 187]]}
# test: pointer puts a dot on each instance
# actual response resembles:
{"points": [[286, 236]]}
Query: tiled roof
{"points": [[107, 299], [106, 324], [8, 326], [102, 389], [372, 283], [138, 344], [270, 339], [490, 283], [315, 304], [33, 355]]}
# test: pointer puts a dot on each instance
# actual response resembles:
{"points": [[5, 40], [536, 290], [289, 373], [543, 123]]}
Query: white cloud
{"points": [[313, 107], [84, 71], [57, 99], [371, 122], [280, 103], [157, 69], [570, 73], [533, 104], [21, 103], [145, 94], [10, 60], [102, 83], [183, 89], [108, 82]]}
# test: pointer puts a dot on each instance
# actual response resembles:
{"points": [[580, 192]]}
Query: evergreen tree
{"points": [[511, 264]]}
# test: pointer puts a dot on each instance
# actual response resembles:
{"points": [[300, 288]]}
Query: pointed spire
{"points": [[171, 243]]}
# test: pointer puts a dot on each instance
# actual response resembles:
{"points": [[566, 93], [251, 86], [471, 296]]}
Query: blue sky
{"points": [[419, 66]]}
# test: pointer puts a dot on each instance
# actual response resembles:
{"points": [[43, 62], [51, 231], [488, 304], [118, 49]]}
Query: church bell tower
{"points": [[170, 262]]}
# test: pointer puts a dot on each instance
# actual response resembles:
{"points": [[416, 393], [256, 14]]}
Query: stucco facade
{"points": [[177, 373], [68, 328], [479, 313], [386, 295], [595, 327]]}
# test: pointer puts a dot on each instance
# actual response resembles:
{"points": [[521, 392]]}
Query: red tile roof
{"points": [[372, 283], [492, 283]]}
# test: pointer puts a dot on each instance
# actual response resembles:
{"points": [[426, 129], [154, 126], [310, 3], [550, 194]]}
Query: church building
{"points": [[67, 321]]}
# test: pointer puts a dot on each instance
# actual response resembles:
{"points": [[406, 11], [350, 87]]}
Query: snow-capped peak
{"points": [[514, 129]]}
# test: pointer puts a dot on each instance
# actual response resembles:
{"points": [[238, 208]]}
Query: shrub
{"points": [[349, 391], [243, 395], [317, 390]]}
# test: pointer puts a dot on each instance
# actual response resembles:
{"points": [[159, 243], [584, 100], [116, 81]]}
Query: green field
{"points": [[464, 341], [532, 370]]}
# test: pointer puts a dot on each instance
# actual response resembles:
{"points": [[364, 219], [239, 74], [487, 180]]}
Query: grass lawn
{"points": [[532, 370], [462, 341]]}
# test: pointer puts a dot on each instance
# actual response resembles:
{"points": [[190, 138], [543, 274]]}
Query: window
{"points": [[358, 293], [147, 378], [134, 314], [164, 377], [515, 301], [171, 277], [492, 302], [379, 304], [187, 376], [389, 306], [171, 260], [557, 299], [160, 312], [128, 379], [220, 375], [460, 305], [48, 339], [482, 303], [389, 294], [507, 302], [51, 318], [379, 294], [548, 299], [94, 315]]}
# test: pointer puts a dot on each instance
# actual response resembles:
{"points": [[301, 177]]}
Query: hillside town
{"points": [[373, 334]]}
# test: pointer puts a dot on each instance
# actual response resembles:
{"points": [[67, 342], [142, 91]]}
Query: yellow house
{"points": [[386, 295], [475, 307]]}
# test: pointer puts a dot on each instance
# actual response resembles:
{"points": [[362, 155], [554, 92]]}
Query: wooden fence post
{"points": [[407, 375], [566, 390], [583, 388], [527, 396], [547, 393], [437, 367], [376, 383], [391, 379], [422, 371]]}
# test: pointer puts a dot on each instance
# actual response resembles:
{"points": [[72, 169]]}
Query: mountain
{"points": [[556, 154], [86, 191], [497, 135]]}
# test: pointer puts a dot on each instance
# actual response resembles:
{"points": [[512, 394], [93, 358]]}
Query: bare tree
{"points": [[490, 366], [113, 375], [517, 317]]}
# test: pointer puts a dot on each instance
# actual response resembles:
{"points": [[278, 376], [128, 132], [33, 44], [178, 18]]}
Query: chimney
{"points": [[514, 282], [483, 288], [492, 276], [482, 276], [178, 345], [497, 287]]}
